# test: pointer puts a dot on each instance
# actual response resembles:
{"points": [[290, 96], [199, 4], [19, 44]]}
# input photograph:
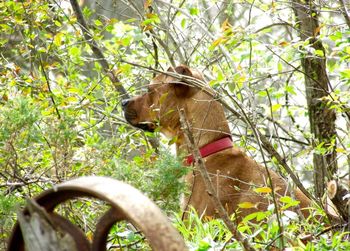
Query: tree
{"points": [[317, 88]]}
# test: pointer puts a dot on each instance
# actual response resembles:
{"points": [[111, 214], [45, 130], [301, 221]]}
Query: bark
{"points": [[322, 119]]}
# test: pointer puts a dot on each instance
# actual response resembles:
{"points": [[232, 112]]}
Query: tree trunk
{"points": [[322, 119]]}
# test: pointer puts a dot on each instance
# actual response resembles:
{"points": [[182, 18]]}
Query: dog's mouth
{"points": [[146, 126], [131, 115]]}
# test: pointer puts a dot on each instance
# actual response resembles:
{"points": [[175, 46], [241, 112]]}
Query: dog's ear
{"points": [[183, 89], [183, 70]]}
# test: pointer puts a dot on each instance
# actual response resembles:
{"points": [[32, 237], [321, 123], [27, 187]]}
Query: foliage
{"points": [[158, 178], [263, 233], [60, 115]]}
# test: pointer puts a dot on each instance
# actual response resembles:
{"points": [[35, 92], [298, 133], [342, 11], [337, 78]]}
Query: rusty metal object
{"points": [[126, 202]]}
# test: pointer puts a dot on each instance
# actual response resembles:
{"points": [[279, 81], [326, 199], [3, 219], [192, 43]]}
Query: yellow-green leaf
{"points": [[246, 205], [162, 98], [340, 150], [218, 41], [276, 107], [173, 140], [225, 25], [263, 190], [72, 99], [58, 39]]}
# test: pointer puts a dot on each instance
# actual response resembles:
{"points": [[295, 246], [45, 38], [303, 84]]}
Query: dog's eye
{"points": [[152, 87]]}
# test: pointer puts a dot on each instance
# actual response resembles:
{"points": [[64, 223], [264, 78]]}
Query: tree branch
{"points": [[49, 88], [96, 50]]}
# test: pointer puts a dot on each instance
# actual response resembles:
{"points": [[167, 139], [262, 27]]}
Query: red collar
{"points": [[211, 148]]}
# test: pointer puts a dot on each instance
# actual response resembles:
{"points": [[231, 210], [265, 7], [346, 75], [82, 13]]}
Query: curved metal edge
{"points": [[78, 235], [103, 228], [136, 208]]}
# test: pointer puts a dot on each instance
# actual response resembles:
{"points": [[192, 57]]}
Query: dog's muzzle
{"points": [[131, 114], [125, 103]]}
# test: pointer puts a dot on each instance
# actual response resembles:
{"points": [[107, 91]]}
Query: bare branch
{"points": [[205, 30], [267, 145]]}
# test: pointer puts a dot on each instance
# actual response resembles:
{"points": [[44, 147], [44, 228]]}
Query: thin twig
{"points": [[274, 124], [209, 186], [258, 137], [344, 106], [49, 88], [272, 25], [204, 29], [266, 144]]}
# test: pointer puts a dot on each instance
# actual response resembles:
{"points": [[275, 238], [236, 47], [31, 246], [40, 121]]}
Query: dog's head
{"points": [[160, 104]]}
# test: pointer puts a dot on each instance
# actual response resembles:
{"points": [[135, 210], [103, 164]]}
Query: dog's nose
{"points": [[125, 102]]}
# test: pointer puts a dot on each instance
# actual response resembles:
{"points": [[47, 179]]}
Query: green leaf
{"points": [[194, 11], [72, 99], [289, 202], [279, 66], [98, 22], [57, 23], [126, 41], [286, 199], [319, 53], [203, 245], [173, 140], [262, 215], [74, 51], [250, 217], [109, 28], [345, 73], [183, 23], [290, 89]]}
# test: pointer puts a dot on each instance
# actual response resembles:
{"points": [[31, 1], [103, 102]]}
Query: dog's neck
{"points": [[207, 125]]}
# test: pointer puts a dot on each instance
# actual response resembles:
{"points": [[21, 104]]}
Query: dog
{"points": [[235, 176]]}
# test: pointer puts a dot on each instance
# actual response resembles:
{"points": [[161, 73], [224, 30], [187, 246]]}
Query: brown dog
{"points": [[234, 174]]}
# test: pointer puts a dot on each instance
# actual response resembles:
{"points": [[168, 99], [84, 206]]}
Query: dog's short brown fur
{"points": [[234, 174]]}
